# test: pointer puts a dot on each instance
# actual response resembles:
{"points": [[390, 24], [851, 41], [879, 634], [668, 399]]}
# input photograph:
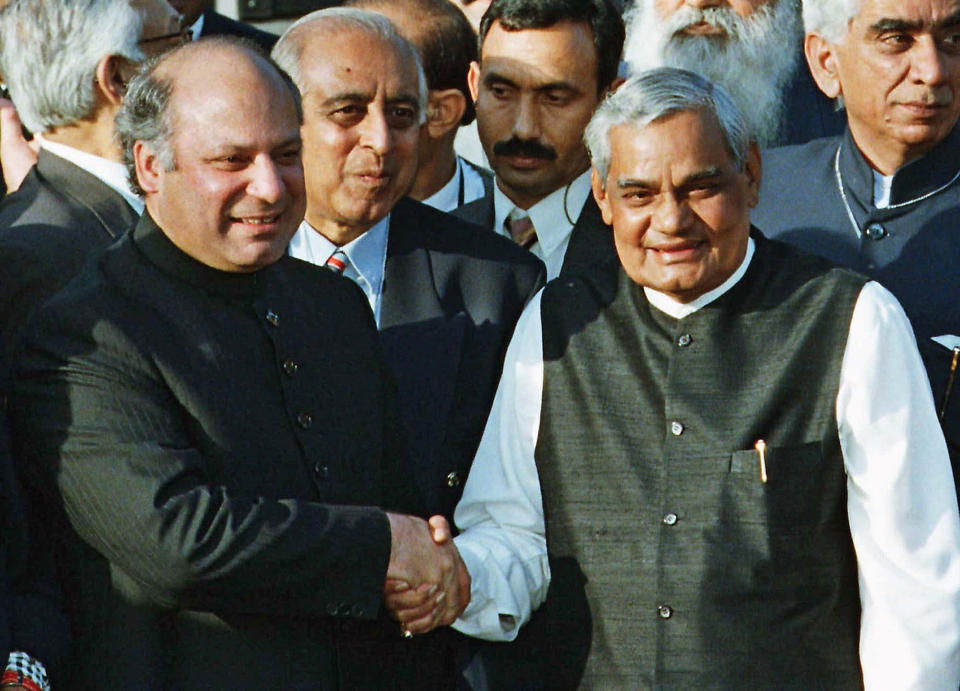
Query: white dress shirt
{"points": [[901, 504], [111, 173], [366, 255], [447, 198], [553, 218]]}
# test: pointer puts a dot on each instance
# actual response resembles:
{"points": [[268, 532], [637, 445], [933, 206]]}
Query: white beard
{"points": [[753, 60]]}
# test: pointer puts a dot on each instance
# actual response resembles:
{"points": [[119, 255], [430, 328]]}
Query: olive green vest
{"points": [[698, 573]]}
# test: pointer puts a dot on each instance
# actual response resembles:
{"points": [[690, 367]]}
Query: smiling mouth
{"points": [[679, 252], [256, 220]]}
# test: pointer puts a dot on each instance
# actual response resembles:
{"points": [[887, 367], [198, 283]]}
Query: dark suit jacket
{"points": [[59, 217], [215, 24], [452, 295], [591, 240], [209, 452], [32, 619], [479, 211]]}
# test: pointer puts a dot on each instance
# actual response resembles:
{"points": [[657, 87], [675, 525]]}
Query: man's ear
{"points": [[753, 168], [614, 85], [822, 59], [148, 167], [445, 109], [599, 186], [473, 80], [110, 79]]}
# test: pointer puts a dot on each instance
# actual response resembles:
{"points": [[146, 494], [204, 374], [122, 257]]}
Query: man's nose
{"points": [[375, 132], [526, 121], [266, 183], [672, 215], [927, 65]]}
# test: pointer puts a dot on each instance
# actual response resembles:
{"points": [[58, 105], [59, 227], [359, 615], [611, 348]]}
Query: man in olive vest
{"points": [[730, 445]]}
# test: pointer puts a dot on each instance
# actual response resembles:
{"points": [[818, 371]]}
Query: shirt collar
{"points": [[366, 253], [919, 179], [551, 220], [679, 310], [446, 198], [196, 28], [110, 173]]}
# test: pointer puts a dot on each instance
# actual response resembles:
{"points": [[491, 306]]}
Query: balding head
{"points": [[364, 98], [211, 133]]}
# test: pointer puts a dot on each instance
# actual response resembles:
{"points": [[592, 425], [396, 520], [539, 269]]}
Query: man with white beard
{"points": [[739, 44]]}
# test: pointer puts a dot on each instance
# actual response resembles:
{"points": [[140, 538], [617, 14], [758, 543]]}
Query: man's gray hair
{"points": [[49, 51], [657, 94], [288, 51], [829, 18], [145, 115]]}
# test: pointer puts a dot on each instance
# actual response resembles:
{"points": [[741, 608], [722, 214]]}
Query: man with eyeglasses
{"points": [[201, 20], [76, 199]]}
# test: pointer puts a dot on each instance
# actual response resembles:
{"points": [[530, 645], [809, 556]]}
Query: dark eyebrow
{"points": [[493, 77], [558, 86], [705, 174], [347, 97], [630, 183], [891, 24], [950, 21], [404, 99]]}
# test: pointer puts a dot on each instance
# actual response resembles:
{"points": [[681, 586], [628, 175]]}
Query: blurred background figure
{"points": [[753, 48]]}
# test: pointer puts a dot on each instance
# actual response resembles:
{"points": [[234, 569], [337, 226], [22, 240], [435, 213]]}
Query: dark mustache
{"points": [[529, 148]]}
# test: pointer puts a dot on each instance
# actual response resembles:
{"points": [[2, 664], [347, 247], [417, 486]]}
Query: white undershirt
{"points": [[901, 504], [366, 255], [552, 223], [882, 185]]}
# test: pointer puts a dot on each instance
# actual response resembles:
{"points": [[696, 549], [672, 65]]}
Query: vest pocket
{"points": [[798, 481]]}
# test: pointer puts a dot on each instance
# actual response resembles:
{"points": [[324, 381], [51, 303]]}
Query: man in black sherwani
{"points": [[208, 427]]}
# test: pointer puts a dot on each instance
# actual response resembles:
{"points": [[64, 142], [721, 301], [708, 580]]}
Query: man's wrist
{"points": [[26, 671]]}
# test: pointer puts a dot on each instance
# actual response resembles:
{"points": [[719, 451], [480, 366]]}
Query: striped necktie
{"points": [[337, 261], [521, 228]]}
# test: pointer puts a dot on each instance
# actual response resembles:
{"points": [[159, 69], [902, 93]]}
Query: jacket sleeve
{"points": [[108, 446]]}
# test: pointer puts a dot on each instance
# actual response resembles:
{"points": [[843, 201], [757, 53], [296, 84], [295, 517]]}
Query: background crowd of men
{"points": [[480, 344]]}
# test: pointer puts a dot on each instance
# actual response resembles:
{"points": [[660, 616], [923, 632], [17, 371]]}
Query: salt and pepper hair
{"points": [[146, 116], [288, 51], [49, 51], [829, 18], [659, 93]]}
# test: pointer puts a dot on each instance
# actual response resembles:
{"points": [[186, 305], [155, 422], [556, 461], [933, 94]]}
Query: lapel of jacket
{"points": [[110, 209], [422, 324], [591, 242]]}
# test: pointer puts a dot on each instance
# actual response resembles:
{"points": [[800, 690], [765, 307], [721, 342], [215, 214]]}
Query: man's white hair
{"points": [[288, 51], [657, 94], [49, 51], [754, 60], [829, 18]]}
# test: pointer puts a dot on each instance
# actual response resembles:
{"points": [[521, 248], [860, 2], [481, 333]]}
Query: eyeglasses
{"points": [[181, 36]]}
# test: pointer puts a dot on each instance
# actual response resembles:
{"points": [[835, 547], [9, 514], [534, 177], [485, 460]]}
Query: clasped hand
{"points": [[427, 582]]}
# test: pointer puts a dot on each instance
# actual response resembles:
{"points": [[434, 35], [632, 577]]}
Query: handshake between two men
{"points": [[427, 583]]}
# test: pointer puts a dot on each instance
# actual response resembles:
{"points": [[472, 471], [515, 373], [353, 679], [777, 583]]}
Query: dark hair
{"points": [[605, 22], [444, 39], [145, 112]]}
